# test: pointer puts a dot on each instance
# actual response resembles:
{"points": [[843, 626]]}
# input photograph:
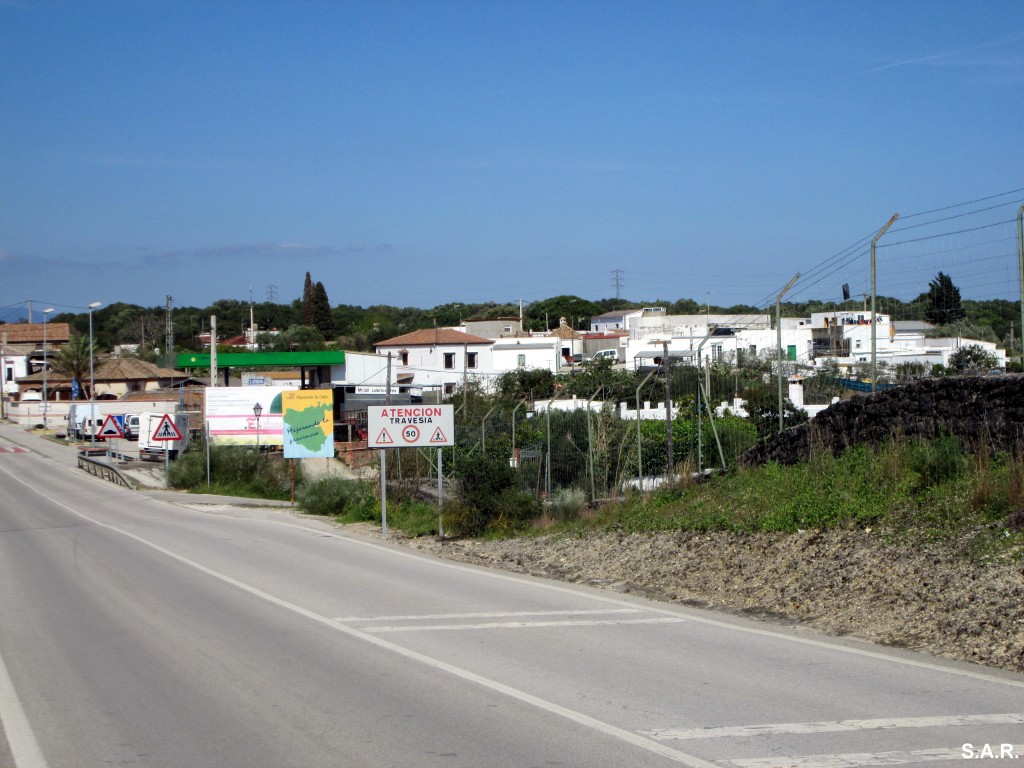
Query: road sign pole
{"points": [[384, 492], [440, 499]]}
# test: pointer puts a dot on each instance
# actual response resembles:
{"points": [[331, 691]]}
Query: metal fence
{"points": [[597, 447]]}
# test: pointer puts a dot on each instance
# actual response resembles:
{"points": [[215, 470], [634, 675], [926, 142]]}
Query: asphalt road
{"points": [[136, 631]]}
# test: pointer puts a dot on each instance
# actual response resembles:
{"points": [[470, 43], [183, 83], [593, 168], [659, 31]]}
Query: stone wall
{"points": [[987, 410]]}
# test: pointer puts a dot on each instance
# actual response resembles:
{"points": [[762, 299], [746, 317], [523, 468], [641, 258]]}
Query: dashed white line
{"points": [[521, 624], [853, 760], [834, 726], [490, 615]]}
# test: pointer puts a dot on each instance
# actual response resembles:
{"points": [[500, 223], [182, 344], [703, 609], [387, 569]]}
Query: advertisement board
{"points": [[308, 424], [231, 419]]}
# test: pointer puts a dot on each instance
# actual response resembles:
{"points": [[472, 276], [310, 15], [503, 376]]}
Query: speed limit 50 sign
{"points": [[410, 426]]}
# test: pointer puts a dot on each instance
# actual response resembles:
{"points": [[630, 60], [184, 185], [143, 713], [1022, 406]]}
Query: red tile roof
{"points": [[433, 337], [22, 333]]}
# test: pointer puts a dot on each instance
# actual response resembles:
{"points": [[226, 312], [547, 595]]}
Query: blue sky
{"points": [[421, 153]]}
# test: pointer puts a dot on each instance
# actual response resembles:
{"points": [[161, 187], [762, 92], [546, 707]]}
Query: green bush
{"points": [[234, 471], [463, 519], [349, 499], [936, 461], [512, 511], [415, 518], [566, 503], [488, 499]]}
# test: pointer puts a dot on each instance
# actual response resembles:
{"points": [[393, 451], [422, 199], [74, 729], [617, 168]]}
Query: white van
{"points": [[131, 426], [611, 355]]}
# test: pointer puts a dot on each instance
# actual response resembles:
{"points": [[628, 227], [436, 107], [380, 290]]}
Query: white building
{"points": [[440, 358], [613, 322], [844, 337], [530, 352]]}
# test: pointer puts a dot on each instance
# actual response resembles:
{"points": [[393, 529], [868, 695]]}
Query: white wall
{"points": [[426, 364], [537, 352]]}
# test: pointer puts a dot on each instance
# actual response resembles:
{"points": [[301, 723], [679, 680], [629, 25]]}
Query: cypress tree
{"points": [[307, 301], [943, 301], [323, 320]]}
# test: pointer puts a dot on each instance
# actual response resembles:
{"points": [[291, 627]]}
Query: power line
{"points": [[959, 205]]}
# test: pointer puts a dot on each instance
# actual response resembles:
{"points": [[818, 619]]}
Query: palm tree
{"points": [[73, 361]]}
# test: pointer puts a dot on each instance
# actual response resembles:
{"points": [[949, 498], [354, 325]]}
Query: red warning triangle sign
{"points": [[166, 429], [384, 437], [110, 428], [438, 437]]}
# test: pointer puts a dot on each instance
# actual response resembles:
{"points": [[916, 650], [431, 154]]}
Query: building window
{"points": [[471, 359], [521, 361], [404, 357], [449, 359], [508, 329], [449, 388]]}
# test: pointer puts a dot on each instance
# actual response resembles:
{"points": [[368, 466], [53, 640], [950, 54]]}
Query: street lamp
{"points": [[256, 411], [92, 383], [45, 395]]}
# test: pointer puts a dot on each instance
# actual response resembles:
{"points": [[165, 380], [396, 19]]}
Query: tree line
{"points": [[311, 322]]}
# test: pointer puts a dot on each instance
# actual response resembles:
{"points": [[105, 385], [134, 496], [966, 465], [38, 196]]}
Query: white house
{"points": [[612, 322], [841, 336], [441, 358], [13, 365], [527, 352]]}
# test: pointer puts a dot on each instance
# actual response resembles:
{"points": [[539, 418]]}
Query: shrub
{"points": [[234, 471], [566, 503], [335, 496], [936, 461], [415, 518], [512, 511], [488, 500]]}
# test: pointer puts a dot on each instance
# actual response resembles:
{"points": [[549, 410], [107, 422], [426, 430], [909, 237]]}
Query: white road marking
{"points": [[855, 759], [494, 615], [994, 677], [20, 737], [523, 624], [612, 731], [852, 760], [835, 726]]}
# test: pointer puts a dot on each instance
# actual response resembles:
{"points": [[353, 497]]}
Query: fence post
{"points": [[547, 468], [639, 436], [483, 431], [590, 444]]}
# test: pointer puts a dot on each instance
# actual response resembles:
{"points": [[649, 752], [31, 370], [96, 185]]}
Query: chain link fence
{"points": [[599, 447]]}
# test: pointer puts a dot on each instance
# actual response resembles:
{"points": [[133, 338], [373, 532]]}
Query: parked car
{"points": [[611, 355], [131, 426]]}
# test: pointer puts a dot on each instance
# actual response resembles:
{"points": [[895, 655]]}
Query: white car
{"points": [[611, 355]]}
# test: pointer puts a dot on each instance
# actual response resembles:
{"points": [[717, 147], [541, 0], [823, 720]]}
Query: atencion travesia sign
{"points": [[410, 426]]}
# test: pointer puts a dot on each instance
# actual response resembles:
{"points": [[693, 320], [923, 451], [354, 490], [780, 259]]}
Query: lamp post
{"points": [[92, 383], [256, 411], [45, 395]]}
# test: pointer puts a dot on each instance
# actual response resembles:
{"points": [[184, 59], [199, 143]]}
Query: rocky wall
{"points": [[985, 410]]}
